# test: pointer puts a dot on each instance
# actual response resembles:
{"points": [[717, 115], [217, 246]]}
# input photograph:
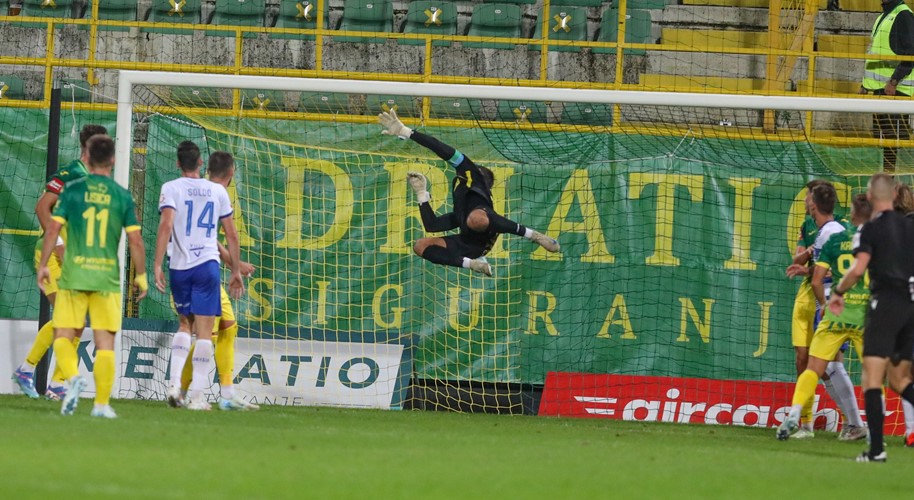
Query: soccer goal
{"points": [[677, 215]]}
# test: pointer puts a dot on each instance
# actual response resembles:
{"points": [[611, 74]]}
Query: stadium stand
{"points": [[637, 30], [456, 108], [75, 90], [430, 17], [495, 20], [299, 15], [323, 102], [248, 13], [366, 15], [112, 10], [522, 111], [11, 87], [263, 100], [576, 113], [565, 23], [406, 107], [185, 12]]}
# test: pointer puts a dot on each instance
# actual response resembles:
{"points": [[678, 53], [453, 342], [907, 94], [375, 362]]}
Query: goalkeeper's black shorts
{"points": [[471, 244]]}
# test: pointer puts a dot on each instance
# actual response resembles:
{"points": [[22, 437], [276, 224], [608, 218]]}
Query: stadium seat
{"points": [[74, 90], [176, 12], [521, 111], [247, 13], [60, 9], [495, 21], [654, 4], [578, 113], [456, 108], [406, 106], [197, 97], [637, 30], [324, 103], [11, 87], [518, 2], [366, 15], [430, 16], [300, 15], [262, 100], [565, 23], [576, 3], [112, 10]]}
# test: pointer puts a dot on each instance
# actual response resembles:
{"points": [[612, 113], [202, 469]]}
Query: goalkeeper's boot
{"points": [[55, 392], [789, 425], [236, 404], [550, 244], [173, 397], [26, 383], [867, 457], [103, 411], [909, 440], [852, 433], [198, 403], [481, 266], [74, 387]]}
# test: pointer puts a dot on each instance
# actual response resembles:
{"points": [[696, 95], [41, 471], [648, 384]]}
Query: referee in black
{"points": [[885, 247]]}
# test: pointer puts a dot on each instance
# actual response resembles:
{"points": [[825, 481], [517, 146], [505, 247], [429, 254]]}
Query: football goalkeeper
{"points": [[473, 213]]}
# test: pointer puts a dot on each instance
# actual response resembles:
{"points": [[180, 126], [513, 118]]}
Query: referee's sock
{"points": [[874, 419]]}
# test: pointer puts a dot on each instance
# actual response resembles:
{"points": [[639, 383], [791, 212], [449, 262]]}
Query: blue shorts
{"points": [[197, 290]]}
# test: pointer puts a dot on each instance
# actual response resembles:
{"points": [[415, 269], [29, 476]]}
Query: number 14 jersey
{"points": [[199, 205]]}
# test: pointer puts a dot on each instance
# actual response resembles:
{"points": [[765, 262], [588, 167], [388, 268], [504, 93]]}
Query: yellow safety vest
{"points": [[878, 73]]}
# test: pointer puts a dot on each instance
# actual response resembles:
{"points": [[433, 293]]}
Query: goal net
{"points": [[677, 215]]}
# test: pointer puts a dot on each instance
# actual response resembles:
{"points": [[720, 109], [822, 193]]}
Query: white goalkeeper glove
{"points": [[393, 126], [420, 185]]}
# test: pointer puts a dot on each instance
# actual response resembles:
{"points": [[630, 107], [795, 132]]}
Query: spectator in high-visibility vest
{"points": [[893, 34]]}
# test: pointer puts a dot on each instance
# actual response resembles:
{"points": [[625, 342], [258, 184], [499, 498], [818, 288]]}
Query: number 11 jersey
{"points": [[199, 206]]}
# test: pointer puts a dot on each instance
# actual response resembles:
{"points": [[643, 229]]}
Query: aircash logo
{"points": [[686, 400]]}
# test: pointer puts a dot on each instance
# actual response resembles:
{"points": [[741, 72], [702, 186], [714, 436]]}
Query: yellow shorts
{"points": [[54, 267], [104, 309], [829, 337], [804, 313], [228, 314]]}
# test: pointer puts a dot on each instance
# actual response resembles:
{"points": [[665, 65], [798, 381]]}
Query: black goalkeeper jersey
{"points": [[470, 189]]}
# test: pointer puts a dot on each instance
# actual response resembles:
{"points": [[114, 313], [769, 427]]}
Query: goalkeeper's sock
{"points": [[908, 416], [225, 355], [203, 357], [180, 350], [874, 419], [187, 373], [42, 343], [501, 224], [841, 390], [67, 358], [104, 377], [442, 255]]}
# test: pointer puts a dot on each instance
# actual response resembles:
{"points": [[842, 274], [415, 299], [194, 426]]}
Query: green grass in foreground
{"points": [[153, 451]]}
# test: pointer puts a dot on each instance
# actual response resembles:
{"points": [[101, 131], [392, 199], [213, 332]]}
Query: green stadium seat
{"points": [[434, 17], [366, 15], [521, 111], [495, 20], [456, 108], [518, 2], [323, 102], [406, 106], [59, 9], [565, 23], [299, 15], [577, 3], [578, 113], [637, 30], [247, 13], [650, 4], [176, 12], [112, 10], [262, 100], [11, 87], [74, 90], [197, 97]]}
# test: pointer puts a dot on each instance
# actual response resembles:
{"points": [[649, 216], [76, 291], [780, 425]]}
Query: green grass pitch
{"points": [[153, 451]]}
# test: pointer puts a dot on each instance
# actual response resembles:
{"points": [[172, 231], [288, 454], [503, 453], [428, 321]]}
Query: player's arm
{"points": [[138, 257], [247, 268], [50, 240], [166, 222], [802, 256], [432, 223], [393, 126], [44, 207], [236, 283], [820, 270]]}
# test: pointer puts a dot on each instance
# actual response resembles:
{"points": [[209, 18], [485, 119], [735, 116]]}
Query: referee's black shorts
{"points": [[889, 328]]}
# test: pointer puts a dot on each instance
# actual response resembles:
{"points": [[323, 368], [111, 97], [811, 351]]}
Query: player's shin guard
{"points": [[442, 255], [874, 419], [501, 224], [180, 350], [187, 373], [67, 358], [804, 393], [104, 376], [42, 343], [841, 390], [225, 359], [203, 357]]}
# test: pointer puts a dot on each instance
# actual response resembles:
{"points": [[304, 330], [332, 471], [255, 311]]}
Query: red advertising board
{"points": [[689, 400]]}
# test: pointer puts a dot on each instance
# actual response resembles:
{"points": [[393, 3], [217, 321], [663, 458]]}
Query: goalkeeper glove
{"points": [[141, 282], [420, 185], [393, 126]]}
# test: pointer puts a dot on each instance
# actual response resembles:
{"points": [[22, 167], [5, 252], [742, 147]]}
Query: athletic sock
{"points": [[908, 393], [874, 418], [501, 224], [67, 358], [104, 376], [203, 357], [908, 417], [442, 255], [57, 378], [841, 391], [42, 343], [180, 349], [225, 356], [805, 389], [806, 412], [187, 373]]}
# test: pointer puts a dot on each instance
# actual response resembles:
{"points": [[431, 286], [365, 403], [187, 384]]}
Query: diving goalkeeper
{"points": [[473, 213]]}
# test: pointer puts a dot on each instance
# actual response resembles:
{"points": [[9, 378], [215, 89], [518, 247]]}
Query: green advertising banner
{"points": [[672, 261]]}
